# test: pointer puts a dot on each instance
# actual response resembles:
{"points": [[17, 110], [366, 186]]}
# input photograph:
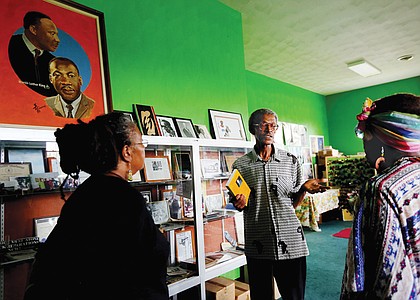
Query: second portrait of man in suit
{"points": [[70, 101]]}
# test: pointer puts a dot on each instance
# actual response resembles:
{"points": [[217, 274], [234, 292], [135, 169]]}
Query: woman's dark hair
{"points": [[405, 103], [256, 116], [94, 147]]}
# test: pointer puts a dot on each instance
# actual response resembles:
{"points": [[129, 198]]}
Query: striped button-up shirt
{"points": [[272, 230]]}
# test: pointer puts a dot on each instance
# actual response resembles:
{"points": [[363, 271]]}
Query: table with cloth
{"points": [[313, 205]]}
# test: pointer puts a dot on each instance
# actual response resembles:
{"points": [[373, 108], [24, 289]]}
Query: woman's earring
{"points": [[130, 173], [380, 159]]}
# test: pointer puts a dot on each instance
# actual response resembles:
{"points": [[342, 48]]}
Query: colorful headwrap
{"points": [[396, 129]]}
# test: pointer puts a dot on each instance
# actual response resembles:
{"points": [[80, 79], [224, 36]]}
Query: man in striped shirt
{"points": [[274, 241]]}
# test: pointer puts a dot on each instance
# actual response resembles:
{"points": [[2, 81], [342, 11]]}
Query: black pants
{"points": [[290, 275]]}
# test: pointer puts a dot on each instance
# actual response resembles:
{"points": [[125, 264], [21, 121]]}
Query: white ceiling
{"points": [[308, 43]]}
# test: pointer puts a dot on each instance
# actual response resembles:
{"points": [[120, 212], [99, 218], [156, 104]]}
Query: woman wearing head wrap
{"points": [[383, 257]]}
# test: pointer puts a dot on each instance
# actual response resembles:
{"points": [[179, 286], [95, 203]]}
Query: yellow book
{"points": [[236, 184]]}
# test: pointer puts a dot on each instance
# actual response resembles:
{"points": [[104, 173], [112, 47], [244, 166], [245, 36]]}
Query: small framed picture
{"points": [[157, 168], [127, 113], [167, 126], [159, 211], [44, 226], [175, 207], [8, 170], [227, 125], [182, 165], [202, 131], [188, 207], [307, 171], [147, 195], [316, 143], [167, 194], [210, 167], [146, 119], [213, 202], [230, 159], [184, 245], [185, 128]]}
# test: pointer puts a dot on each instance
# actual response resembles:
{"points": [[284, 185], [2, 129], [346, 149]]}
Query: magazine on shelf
{"points": [[237, 185]]}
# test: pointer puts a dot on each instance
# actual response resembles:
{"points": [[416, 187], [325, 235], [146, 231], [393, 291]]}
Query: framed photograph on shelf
{"points": [[184, 245], [44, 226], [127, 113], [81, 34], [167, 194], [146, 119], [157, 168], [213, 202], [8, 170], [227, 125], [188, 206], [210, 167], [185, 128], [159, 211], [307, 171], [316, 143], [175, 208], [182, 165], [166, 126], [229, 160], [147, 195], [202, 131]]}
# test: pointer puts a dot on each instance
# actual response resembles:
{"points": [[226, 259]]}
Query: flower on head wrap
{"points": [[367, 107]]}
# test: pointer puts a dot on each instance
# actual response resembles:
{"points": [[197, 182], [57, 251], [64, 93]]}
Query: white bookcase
{"points": [[197, 148]]}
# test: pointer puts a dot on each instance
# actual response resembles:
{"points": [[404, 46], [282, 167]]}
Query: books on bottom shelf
{"points": [[212, 259]]}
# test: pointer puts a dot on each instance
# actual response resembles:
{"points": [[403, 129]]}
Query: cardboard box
{"points": [[220, 288], [324, 153], [242, 291]]}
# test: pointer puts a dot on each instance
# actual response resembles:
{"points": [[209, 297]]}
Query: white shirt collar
{"points": [[75, 105], [30, 46]]}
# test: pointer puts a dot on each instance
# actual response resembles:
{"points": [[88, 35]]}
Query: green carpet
{"points": [[325, 264]]}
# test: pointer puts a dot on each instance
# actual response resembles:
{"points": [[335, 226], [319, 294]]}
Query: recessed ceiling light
{"points": [[363, 68], [405, 57]]}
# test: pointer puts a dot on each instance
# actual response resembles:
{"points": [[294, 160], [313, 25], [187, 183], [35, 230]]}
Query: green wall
{"points": [[291, 103], [342, 110], [182, 57]]}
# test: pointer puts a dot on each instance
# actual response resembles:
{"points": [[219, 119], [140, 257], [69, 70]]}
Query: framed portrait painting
{"points": [[227, 125], [31, 71], [157, 168], [146, 119], [167, 126], [185, 128], [202, 131]]}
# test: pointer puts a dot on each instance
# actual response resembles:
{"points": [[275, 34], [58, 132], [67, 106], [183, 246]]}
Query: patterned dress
{"points": [[383, 257]]}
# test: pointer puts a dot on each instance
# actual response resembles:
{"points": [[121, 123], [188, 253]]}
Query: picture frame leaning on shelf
{"points": [[185, 128], [157, 168], [227, 125]]}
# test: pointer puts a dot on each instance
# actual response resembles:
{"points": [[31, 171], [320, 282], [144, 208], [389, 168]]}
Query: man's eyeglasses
{"points": [[143, 142], [265, 126]]}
